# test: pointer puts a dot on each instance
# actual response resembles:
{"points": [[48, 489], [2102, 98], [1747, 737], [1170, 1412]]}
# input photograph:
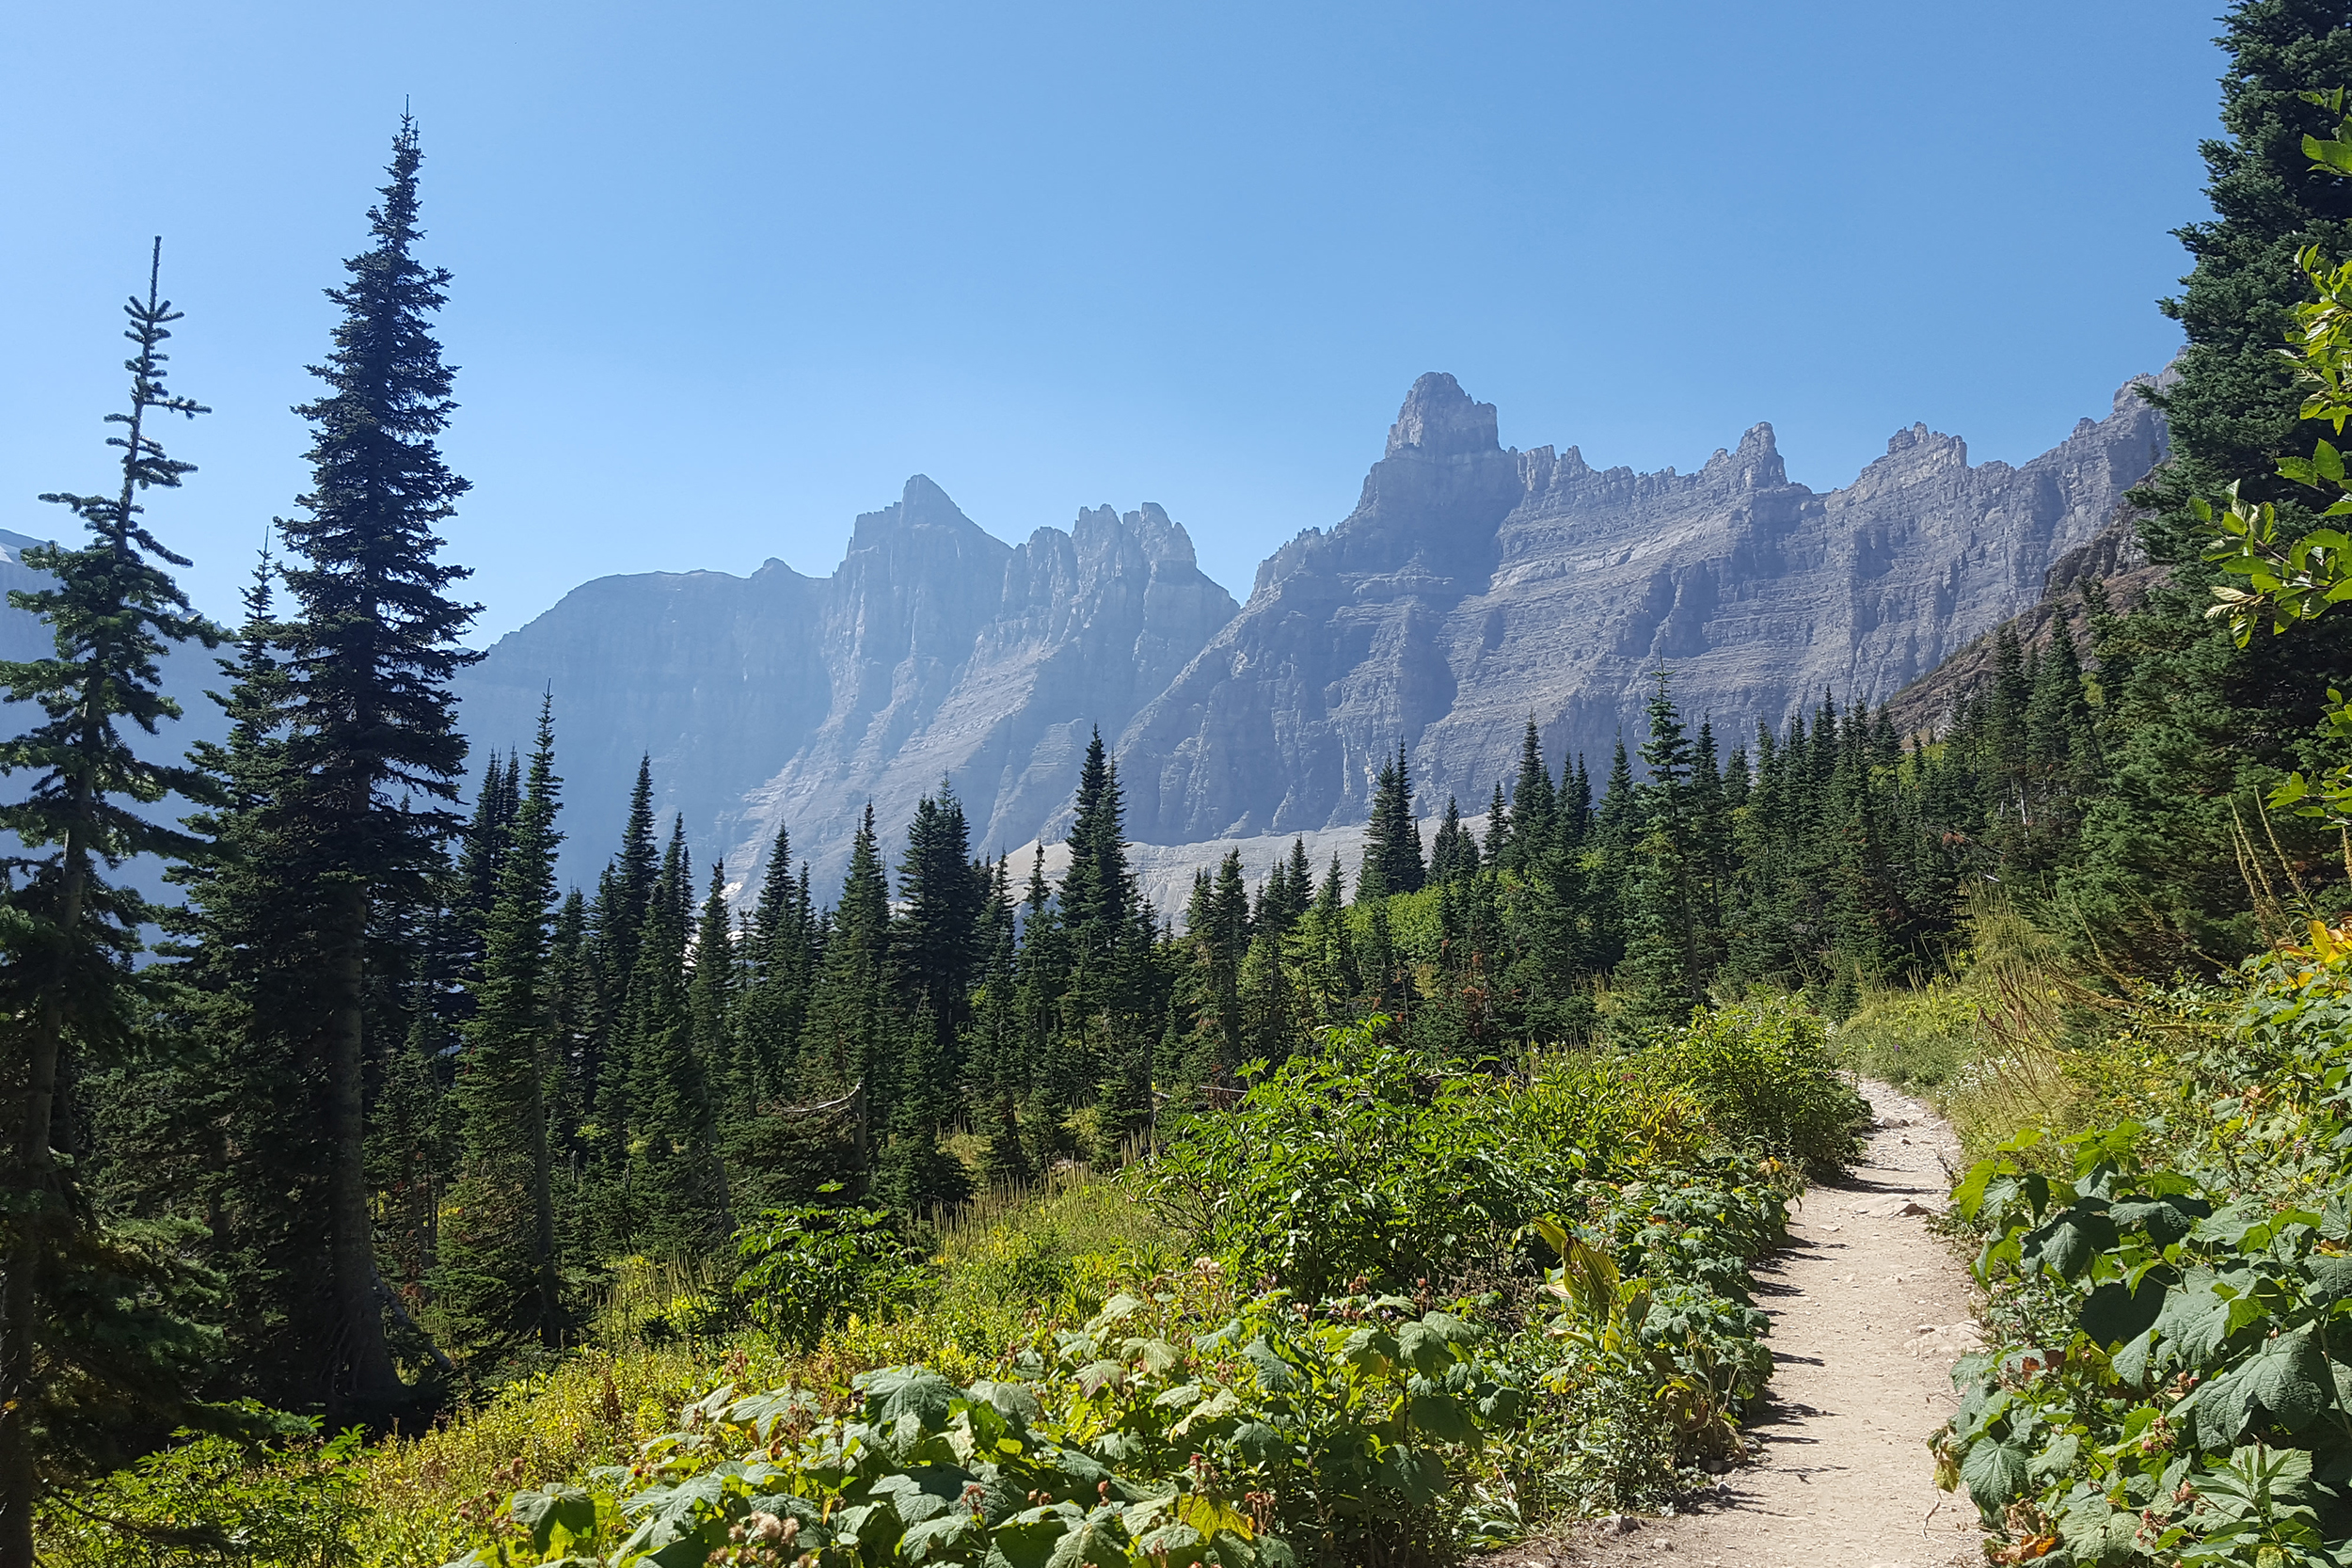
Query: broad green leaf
{"points": [[1028, 1537], [2114, 1312], [1442, 1417], [1994, 1472], [544, 1513], [2165, 1223], [2330, 1278], [2191, 1327], [1273, 1374], [1416, 1474], [2130, 1362], [2290, 1377], [2069, 1241], [1093, 1542], [1424, 1349], [939, 1534], [1258, 1442]]}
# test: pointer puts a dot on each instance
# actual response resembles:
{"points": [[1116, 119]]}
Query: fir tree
{"points": [[936, 939], [1617, 822], [673, 1199], [370, 747], [1097, 895], [710, 996], [1534, 808], [1665, 964], [1005, 1164], [1498, 830], [497, 1284], [1392, 857], [843, 1050], [69, 935], [2195, 729], [1453, 854]]}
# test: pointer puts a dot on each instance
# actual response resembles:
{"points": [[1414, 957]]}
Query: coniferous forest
{"points": [[370, 1118]]}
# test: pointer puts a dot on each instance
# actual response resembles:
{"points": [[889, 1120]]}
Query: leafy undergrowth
{"points": [[2012, 1038], [2171, 1380], [1383, 1311]]}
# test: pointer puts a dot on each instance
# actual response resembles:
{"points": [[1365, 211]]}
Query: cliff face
{"points": [[1473, 587], [935, 651]]}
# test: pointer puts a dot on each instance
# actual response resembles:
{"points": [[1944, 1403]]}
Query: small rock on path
{"points": [[1868, 1310]]}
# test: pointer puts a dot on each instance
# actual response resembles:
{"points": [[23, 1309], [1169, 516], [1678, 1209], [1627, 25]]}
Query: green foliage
{"points": [[88, 1312], [1357, 1164], [1333, 1433], [1762, 1074], [806, 1268], [291, 1501], [2174, 1304]]}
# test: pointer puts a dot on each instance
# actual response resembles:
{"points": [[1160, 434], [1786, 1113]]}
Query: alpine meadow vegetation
{"points": [[379, 1200]]}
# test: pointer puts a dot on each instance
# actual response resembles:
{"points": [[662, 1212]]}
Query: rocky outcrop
{"points": [[1474, 587], [2114, 558], [935, 651]]}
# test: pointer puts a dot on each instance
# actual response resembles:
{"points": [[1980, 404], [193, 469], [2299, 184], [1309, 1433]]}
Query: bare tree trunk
{"points": [[363, 1374]]}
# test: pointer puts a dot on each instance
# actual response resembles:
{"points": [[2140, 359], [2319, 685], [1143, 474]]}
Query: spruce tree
{"points": [[2195, 729], [1617, 821], [711, 998], [69, 934], [1392, 858], [675, 1201], [1453, 854], [1005, 1163], [936, 943], [497, 1284], [372, 756], [1534, 808], [775, 999], [845, 1047], [1331, 949], [409, 1139], [1665, 970], [1097, 899], [936, 936], [245, 1152]]}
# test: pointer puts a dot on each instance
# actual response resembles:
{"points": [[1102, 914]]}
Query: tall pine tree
{"points": [[70, 994], [372, 758], [497, 1284]]}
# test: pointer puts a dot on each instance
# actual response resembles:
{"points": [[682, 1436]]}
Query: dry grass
{"points": [[1012, 1264]]}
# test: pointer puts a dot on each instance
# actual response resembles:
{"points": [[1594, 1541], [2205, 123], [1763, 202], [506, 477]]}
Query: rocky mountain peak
{"points": [[1442, 421], [1754, 465], [1469, 587], [921, 507]]}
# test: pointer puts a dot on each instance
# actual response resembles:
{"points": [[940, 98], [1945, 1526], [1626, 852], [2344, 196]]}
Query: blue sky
{"points": [[728, 272]]}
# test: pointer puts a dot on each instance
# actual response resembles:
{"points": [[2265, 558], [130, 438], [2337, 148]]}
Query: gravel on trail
{"points": [[1870, 1308]]}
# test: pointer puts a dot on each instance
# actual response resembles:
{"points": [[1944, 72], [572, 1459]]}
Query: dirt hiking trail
{"points": [[1868, 1310]]}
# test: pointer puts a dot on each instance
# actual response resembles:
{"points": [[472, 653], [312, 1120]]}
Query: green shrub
{"points": [[1337, 1424], [805, 1268], [1359, 1167], [1916, 1041], [2173, 1314], [1763, 1075], [1331, 1434], [212, 1501]]}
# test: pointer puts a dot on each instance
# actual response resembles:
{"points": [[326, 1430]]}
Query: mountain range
{"points": [[1473, 587]]}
